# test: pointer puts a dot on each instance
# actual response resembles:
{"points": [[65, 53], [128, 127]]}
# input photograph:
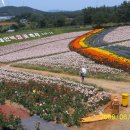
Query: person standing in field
{"points": [[83, 73]]}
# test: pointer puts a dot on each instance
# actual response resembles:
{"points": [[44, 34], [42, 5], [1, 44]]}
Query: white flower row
{"points": [[70, 60], [27, 44], [9, 74], [125, 44], [118, 34], [42, 50]]}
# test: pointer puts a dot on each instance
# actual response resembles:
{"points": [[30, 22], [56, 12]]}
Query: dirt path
{"points": [[116, 87]]}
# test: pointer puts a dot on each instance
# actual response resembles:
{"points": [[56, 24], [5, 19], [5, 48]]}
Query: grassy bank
{"points": [[108, 76], [54, 30]]}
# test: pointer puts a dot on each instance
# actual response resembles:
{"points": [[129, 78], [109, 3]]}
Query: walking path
{"points": [[114, 86]]}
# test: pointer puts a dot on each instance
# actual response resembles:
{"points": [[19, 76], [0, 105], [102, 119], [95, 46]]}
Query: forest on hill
{"points": [[29, 18]]}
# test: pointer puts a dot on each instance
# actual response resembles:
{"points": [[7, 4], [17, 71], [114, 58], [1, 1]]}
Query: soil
{"points": [[14, 109]]}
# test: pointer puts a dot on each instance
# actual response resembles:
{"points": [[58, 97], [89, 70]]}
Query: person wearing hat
{"points": [[83, 73]]}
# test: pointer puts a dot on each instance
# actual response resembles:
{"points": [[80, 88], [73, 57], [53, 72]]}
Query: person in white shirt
{"points": [[83, 73]]}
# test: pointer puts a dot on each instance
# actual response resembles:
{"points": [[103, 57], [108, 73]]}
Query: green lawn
{"points": [[54, 30]]}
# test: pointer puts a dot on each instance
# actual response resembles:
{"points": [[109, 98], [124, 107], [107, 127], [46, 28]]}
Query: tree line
{"points": [[101, 15], [88, 16]]}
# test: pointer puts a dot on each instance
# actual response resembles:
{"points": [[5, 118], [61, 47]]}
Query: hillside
{"points": [[13, 11]]}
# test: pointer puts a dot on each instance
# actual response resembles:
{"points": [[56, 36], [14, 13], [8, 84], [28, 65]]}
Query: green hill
{"points": [[13, 11]]}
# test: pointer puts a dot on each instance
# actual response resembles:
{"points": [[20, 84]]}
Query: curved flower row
{"points": [[100, 55], [78, 43]]}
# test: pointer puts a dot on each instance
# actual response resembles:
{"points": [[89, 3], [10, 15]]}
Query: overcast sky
{"points": [[46, 5]]}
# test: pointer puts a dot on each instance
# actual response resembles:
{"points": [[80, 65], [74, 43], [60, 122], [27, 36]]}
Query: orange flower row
{"points": [[97, 54], [74, 45], [107, 59]]}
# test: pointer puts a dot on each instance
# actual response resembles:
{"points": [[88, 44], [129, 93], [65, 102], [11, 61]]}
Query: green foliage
{"points": [[3, 29], [88, 16], [123, 12], [60, 21], [10, 122], [105, 14], [51, 101]]}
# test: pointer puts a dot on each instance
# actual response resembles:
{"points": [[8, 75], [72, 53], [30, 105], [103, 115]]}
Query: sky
{"points": [[66, 5]]}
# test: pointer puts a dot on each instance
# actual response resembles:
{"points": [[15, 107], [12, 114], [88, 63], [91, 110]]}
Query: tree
{"points": [[87, 15], [123, 12], [14, 26], [60, 21], [42, 23]]}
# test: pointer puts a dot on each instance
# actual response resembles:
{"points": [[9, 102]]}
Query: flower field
{"points": [[122, 44], [118, 34], [69, 61], [57, 44], [29, 44], [121, 48], [11, 75], [9, 122], [54, 98], [52, 52], [51, 98], [100, 55], [42, 50]]}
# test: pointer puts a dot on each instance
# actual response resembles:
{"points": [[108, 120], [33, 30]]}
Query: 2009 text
{"points": [[116, 117]]}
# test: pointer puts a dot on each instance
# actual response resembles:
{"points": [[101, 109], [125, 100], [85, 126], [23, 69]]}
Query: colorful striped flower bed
{"points": [[78, 43], [99, 55]]}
